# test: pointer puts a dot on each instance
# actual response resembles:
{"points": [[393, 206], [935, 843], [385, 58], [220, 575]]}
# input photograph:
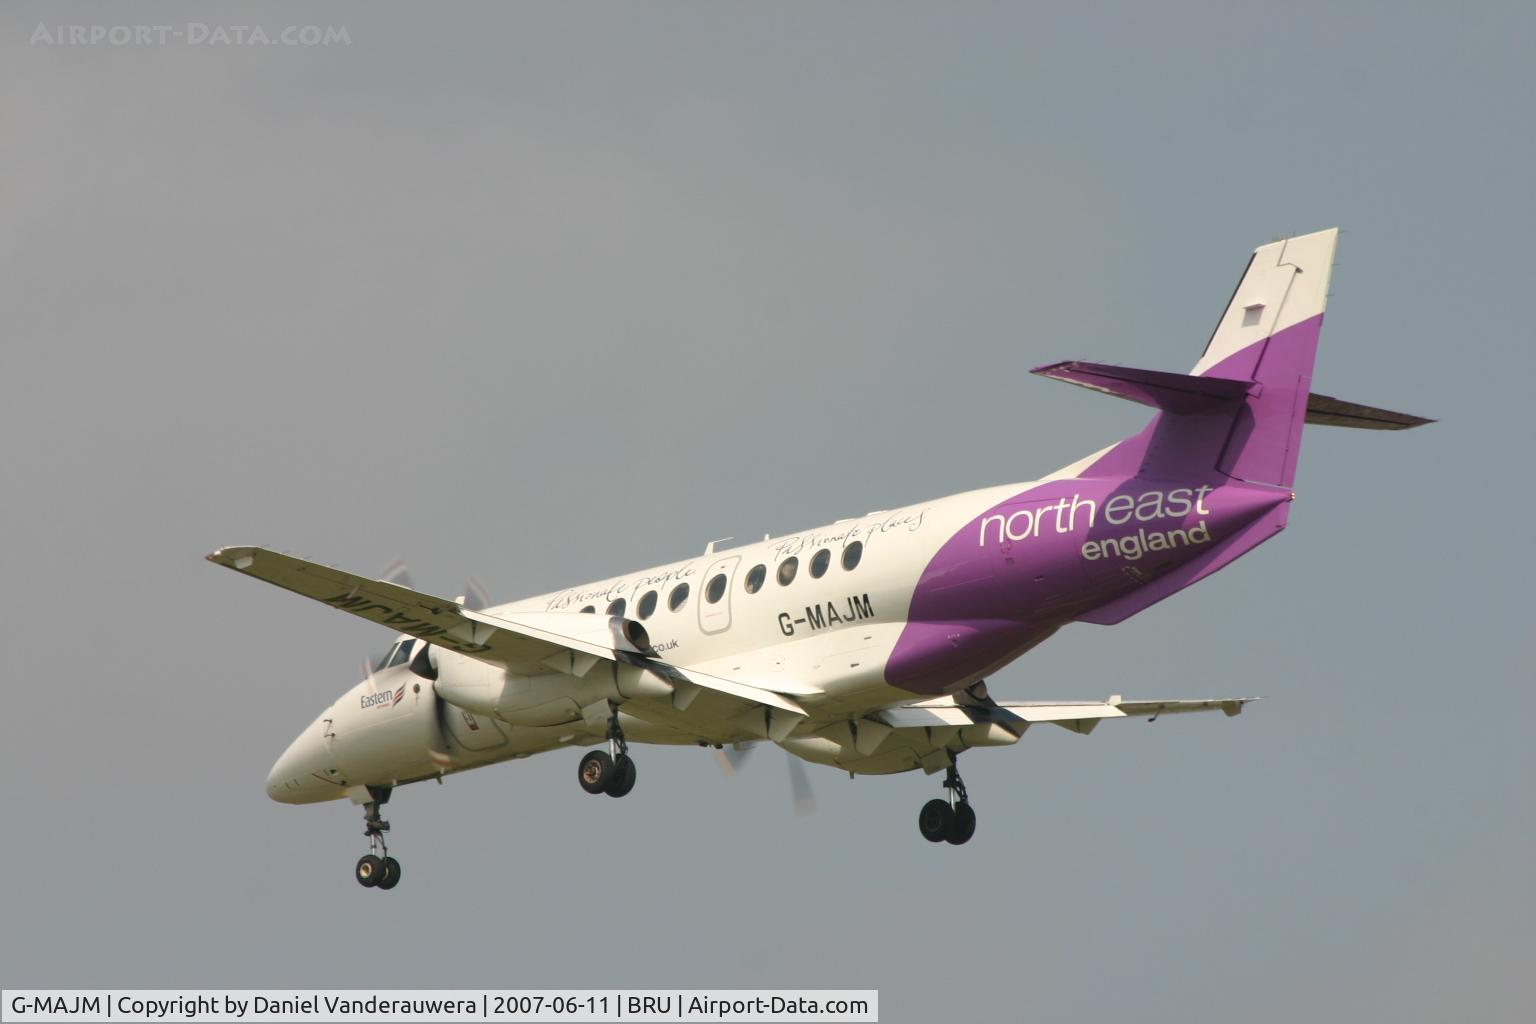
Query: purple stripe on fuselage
{"points": [[1017, 572], [1152, 515]]}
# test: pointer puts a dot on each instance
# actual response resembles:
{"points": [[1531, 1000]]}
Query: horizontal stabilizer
{"points": [[1334, 412], [1171, 392], [1185, 393]]}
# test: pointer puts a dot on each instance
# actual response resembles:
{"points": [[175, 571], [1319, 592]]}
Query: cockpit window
{"points": [[422, 663], [398, 655]]}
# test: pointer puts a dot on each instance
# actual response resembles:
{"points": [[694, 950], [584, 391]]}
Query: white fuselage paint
{"points": [[831, 635]]}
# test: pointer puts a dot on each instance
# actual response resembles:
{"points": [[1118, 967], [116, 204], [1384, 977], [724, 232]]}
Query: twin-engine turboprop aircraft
{"points": [[863, 644]]}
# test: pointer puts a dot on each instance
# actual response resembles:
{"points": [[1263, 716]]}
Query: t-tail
{"points": [[1237, 417]]}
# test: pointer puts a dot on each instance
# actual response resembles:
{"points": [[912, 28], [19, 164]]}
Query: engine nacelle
{"points": [[887, 751], [550, 698]]}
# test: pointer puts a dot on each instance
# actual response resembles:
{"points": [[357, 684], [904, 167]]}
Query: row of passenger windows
{"points": [[714, 590]]}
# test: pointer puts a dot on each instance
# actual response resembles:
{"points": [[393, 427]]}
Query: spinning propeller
{"points": [[731, 758], [474, 598]]}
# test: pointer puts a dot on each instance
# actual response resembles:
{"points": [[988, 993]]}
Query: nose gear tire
{"points": [[369, 871]]}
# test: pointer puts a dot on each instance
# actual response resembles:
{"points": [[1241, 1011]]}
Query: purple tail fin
{"points": [[1250, 387]]}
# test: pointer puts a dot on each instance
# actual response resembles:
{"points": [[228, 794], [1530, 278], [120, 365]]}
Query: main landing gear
{"points": [[948, 821], [611, 771], [377, 869]]}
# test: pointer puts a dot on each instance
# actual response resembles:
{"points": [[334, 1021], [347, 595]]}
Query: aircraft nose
{"points": [[302, 774], [281, 778]]}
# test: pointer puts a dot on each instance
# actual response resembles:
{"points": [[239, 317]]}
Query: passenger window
{"points": [[755, 578], [819, 562], [647, 604], [716, 589], [852, 553], [589, 610], [617, 608], [787, 571], [678, 597]]}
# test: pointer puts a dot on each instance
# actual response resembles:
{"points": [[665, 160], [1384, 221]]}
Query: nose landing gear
{"points": [[612, 771], [948, 820], [376, 869]]}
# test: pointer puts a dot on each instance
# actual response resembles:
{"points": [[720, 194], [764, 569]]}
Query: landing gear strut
{"points": [[948, 820], [611, 771], [377, 869]]}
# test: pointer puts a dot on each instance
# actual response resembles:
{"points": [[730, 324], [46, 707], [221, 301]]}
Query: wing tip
{"points": [[236, 556]]}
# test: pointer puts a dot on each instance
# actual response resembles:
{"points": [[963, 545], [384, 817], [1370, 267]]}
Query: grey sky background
{"points": [[545, 293]]}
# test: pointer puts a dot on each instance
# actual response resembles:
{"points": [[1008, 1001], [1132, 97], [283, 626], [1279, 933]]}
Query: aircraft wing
{"points": [[1017, 715], [928, 734], [526, 643]]}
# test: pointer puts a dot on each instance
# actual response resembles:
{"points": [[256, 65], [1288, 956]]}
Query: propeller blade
{"points": [[439, 752], [731, 758], [397, 573], [475, 597], [800, 787]]}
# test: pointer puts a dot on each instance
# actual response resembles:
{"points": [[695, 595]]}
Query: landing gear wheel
{"points": [[370, 871], [936, 820], [391, 876], [962, 825], [596, 771], [623, 776]]}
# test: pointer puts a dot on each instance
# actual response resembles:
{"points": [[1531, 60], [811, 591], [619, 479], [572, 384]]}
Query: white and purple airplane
{"points": [[863, 644]]}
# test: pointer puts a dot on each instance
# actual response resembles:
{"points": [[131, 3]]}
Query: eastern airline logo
{"points": [[385, 699]]}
